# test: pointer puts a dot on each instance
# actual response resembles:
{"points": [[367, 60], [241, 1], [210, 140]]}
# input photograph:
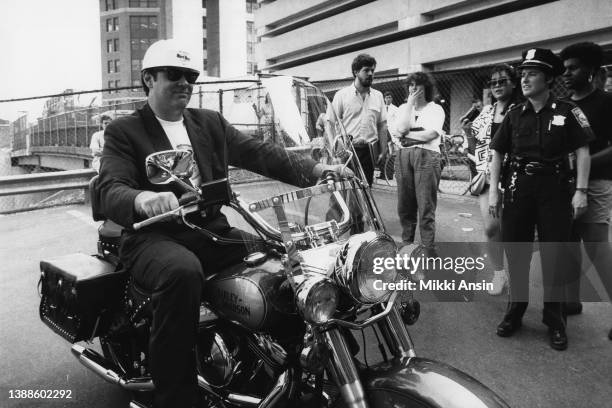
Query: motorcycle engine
{"points": [[216, 357], [240, 362]]}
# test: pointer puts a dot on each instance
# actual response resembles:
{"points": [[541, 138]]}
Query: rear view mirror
{"points": [[169, 165]]}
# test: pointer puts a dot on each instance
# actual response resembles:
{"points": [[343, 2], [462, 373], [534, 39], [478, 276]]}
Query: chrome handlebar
{"points": [[367, 322], [250, 210], [181, 212]]}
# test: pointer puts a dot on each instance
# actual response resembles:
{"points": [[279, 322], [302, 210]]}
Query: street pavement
{"points": [[523, 369]]}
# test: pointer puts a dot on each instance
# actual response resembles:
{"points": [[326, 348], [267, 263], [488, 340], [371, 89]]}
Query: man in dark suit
{"points": [[166, 259]]}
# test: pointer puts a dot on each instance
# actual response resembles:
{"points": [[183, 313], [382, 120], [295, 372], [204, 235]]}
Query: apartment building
{"points": [[220, 32]]}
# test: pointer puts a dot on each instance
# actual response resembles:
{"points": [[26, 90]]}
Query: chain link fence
{"points": [[60, 138], [64, 129]]}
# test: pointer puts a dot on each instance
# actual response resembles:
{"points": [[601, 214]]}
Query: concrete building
{"points": [[5, 134], [319, 38], [219, 32]]}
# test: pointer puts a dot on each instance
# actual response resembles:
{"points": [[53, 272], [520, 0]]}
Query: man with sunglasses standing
{"points": [[538, 135], [168, 261]]}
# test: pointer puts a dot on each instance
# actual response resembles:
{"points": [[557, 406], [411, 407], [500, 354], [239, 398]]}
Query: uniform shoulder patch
{"points": [[580, 117]]}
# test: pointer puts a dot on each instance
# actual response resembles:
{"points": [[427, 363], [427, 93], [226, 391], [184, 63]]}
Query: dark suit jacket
{"points": [[129, 140]]}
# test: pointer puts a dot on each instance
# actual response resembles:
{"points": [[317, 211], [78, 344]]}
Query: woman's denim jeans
{"points": [[417, 171]]}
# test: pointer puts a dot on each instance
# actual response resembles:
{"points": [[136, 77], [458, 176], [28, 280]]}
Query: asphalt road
{"points": [[523, 369]]}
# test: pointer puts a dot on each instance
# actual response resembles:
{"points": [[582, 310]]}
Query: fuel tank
{"points": [[251, 294]]}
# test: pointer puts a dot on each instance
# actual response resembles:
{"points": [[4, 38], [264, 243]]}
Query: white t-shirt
{"points": [[96, 146], [177, 133], [430, 117], [391, 115], [179, 139]]}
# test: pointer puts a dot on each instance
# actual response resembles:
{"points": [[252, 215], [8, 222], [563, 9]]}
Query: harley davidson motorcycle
{"points": [[278, 329]]}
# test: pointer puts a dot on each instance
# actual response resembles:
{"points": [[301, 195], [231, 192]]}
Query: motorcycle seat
{"points": [[110, 232], [109, 238]]}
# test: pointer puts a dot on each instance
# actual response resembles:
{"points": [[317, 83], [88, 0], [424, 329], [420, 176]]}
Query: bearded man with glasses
{"points": [[168, 261]]}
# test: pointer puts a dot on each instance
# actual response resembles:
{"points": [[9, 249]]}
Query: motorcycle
{"points": [[277, 329]]}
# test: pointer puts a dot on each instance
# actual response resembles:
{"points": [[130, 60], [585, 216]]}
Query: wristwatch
{"points": [[582, 189]]}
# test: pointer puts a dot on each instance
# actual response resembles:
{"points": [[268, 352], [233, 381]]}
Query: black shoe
{"points": [[558, 339], [610, 334], [508, 327], [573, 308]]}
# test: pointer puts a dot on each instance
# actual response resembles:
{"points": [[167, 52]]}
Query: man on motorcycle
{"points": [[169, 260]]}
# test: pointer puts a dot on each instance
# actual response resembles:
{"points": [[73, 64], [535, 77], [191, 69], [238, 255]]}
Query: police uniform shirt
{"points": [[559, 128]]}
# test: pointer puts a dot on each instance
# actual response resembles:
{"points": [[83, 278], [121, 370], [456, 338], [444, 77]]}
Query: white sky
{"points": [[47, 47]]}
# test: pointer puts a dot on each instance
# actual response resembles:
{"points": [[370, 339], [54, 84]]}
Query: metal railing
{"points": [[43, 182], [41, 190]]}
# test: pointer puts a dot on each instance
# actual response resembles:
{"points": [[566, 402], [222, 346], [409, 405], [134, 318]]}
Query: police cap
{"points": [[543, 59]]}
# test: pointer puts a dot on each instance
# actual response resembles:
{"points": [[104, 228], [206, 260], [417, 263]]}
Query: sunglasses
{"points": [[499, 82], [175, 74]]}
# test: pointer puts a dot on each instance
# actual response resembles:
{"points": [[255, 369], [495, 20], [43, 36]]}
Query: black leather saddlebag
{"points": [[79, 295]]}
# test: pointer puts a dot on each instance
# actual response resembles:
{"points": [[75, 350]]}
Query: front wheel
{"points": [[420, 383]]}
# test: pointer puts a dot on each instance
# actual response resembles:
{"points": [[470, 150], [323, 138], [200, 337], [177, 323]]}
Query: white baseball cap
{"points": [[169, 53]]}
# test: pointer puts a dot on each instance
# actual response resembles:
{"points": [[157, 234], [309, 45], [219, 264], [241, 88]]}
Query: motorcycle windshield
{"points": [[298, 119]]}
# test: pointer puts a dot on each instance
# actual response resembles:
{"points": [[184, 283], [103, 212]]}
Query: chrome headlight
{"points": [[359, 270], [316, 298]]}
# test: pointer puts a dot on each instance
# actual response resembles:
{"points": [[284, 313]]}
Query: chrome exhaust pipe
{"points": [[238, 399], [100, 365], [279, 390]]}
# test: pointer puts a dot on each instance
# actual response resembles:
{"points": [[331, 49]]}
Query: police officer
{"points": [[538, 135]]}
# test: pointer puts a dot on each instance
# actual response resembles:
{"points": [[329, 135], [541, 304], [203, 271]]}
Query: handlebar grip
{"points": [[187, 198], [156, 218]]}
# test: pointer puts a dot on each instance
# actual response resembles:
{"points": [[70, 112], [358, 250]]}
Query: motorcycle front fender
{"points": [[419, 382]]}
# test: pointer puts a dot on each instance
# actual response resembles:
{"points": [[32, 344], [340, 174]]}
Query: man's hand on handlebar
{"points": [[148, 203], [339, 169]]}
